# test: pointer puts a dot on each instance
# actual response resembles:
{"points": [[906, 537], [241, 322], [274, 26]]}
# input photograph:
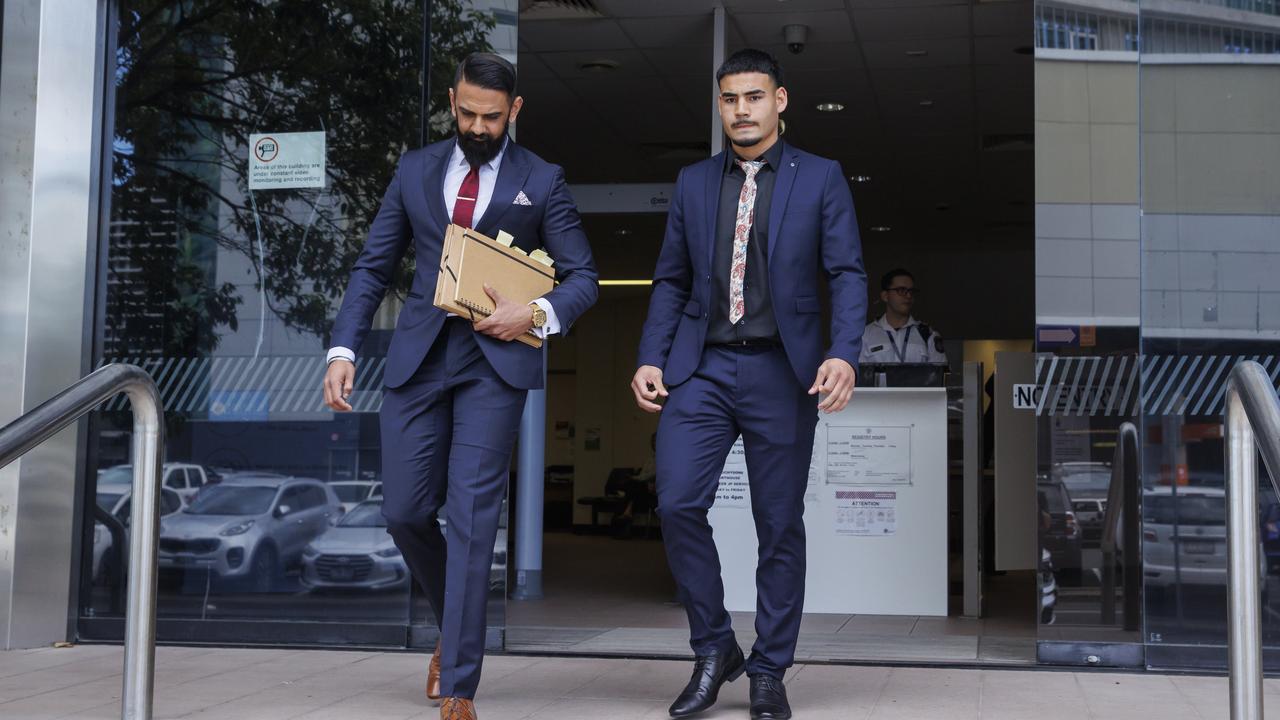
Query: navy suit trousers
{"points": [[448, 433], [750, 392]]}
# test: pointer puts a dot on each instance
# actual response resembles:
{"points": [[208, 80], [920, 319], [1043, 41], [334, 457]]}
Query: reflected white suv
{"points": [[248, 527]]}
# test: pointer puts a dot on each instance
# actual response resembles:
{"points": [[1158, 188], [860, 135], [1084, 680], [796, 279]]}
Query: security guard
{"points": [[896, 337]]}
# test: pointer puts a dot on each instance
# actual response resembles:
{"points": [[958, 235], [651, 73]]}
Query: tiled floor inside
{"points": [[83, 683], [611, 597]]}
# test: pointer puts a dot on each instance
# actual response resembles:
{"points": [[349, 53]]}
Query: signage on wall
{"points": [[280, 161], [1026, 396], [1057, 335]]}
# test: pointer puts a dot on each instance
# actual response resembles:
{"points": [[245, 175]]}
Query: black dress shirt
{"points": [[758, 323]]}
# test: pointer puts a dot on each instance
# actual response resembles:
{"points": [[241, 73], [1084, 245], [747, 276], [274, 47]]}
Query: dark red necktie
{"points": [[465, 207]]}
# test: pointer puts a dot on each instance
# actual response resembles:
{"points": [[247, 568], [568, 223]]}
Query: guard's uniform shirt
{"points": [[914, 342]]}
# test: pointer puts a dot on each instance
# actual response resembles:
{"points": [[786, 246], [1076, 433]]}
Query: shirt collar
{"points": [[459, 159], [772, 157], [883, 322]]}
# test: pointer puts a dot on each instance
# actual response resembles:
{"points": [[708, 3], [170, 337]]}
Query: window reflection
{"points": [[224, 289]]}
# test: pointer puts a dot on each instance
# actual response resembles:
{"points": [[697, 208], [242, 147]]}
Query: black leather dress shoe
{"points": [[709, 673], [768, 699]]}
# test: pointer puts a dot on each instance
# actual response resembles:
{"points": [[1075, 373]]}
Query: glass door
{"points": [[1210, 139], [248, 148]]}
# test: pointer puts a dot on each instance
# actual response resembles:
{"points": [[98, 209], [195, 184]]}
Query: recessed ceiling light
{"points": [[623, 232], [860, 178], [917, 53], [830, 107], [926, 103], [880, 228], [599, 65]]}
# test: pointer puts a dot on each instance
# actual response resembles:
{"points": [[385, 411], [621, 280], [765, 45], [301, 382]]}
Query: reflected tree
{"points": [[193, 80]]}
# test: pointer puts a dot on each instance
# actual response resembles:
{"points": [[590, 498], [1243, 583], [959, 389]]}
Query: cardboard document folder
{"points": [[470, 260]]}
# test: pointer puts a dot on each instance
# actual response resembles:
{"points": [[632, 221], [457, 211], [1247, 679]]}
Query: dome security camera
{"points": [[795, 36]]}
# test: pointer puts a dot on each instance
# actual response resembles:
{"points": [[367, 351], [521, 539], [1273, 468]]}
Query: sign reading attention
{"points": [[279, 161]]}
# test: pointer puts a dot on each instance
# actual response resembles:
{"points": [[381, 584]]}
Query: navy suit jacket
{"points": [[414, 208], [812, 230]]}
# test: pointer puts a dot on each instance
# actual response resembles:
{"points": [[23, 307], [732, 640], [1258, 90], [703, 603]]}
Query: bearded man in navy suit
{"points": [[454, 391], [733, 342]]}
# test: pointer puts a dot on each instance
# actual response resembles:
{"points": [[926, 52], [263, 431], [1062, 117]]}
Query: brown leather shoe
{"points": [[456, 708], [433, 675]]}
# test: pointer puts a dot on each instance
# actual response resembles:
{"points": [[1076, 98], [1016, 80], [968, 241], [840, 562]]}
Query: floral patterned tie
{"points": [[741, 234]]}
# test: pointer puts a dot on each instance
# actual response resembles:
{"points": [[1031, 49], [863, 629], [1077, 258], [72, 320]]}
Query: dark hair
{"points": [[886, 280], [487, 70], [751, 61]]}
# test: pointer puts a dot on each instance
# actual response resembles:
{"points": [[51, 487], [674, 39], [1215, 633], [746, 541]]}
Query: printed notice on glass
{"points": [[734, 490], [816, 466], [866, 513], [279, 161], [860, 455]]}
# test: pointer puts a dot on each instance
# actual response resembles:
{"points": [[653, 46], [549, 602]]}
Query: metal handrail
{"points": [[1252, 418], [65, 408], [1123, 504]]}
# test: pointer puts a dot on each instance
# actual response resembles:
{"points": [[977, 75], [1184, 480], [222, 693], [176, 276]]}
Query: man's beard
{"points": [[480, 150], [750, 140]]}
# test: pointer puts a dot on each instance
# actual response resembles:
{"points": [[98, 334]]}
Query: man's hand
{"points": [[338, 380], [647, 385], [509, 320], [835, 380]]}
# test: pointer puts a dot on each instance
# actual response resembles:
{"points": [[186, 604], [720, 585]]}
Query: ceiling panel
{"points": [[766, 28], [602, 34], [647, 119], [566, 65], [1003, 50], [1011, 18], [904, 3], [912, 22], [655, 8], [669, 32], [739, 7], [825, 56], [682, 61], [892, 53]]}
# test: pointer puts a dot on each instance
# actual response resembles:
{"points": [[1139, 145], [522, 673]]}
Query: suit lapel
{"points": [[781, 194], [512, 173], [435, 169], [715, 172]]}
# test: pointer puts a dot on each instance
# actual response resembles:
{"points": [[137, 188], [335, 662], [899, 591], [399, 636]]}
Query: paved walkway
{"points": [[237, 684]]}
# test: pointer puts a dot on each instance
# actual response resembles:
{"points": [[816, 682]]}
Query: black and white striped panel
{"points": [[244, 387], [1124, 385]]}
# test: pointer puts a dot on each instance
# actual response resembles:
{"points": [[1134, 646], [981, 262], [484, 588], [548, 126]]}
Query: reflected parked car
{"points": [[1185, 534], [1088, 484], [357, 553], [1060, 535], [186, 479], [248, 527], [115, 499], [353, 492]]}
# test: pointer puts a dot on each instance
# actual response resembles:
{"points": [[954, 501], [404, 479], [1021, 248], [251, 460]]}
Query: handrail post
{"points": [[140, 618], [1122, 510], [1131, 521], [1250, 407], [60, 411]]}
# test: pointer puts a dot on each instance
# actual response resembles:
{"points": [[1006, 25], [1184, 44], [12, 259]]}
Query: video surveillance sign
{"points": [[279, 161]]}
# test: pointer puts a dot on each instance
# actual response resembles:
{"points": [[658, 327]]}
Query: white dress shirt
{"points": [[454, 174], [882, 343]]}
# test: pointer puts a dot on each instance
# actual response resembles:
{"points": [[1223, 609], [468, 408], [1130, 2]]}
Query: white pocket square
{"points": [[521, 199]]}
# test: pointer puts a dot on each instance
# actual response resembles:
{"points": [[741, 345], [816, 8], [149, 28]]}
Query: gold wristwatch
{"points": [[539, 315]]}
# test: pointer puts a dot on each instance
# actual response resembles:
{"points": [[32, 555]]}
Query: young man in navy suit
{"points": [[454, 391], [733, 342]]}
